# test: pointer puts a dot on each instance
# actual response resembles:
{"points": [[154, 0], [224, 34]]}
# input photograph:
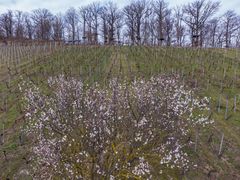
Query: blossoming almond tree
{"points": [[127, 130]]}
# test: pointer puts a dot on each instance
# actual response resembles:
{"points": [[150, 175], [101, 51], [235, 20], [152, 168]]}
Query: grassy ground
{"points": [[213, 72]]}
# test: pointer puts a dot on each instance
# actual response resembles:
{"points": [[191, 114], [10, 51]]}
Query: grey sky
{"points": [[61, 5]]}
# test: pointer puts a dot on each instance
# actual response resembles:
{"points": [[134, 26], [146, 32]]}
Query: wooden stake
{"points": [[196, 140], [219, 104], [235, 104], [226, 112], [221, 144]]}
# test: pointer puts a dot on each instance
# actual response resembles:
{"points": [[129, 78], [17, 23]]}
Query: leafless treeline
{"points": [[141, 22]]}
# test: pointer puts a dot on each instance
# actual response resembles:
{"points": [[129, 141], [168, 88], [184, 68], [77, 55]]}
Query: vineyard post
{"points": [[235, 103], [226, 112], [224, 73], [196, 139], [221, 145], [21, 139], [219, 104], [4, 118], [235, 77]]}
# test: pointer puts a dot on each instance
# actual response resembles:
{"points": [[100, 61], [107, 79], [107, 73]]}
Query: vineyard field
{"points": [[212, 73]]}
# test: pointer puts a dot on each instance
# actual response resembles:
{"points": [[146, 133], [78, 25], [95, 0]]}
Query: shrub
{"points": [[127, 130]]}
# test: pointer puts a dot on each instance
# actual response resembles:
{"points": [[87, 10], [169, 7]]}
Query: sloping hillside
{"points": [[214, 73]]}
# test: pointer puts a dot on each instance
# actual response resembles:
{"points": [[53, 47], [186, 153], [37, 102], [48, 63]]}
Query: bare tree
{"points": [[161, 11], [7, 23], [211, 32], [196, 15], [152, 30], [113, 15], [119, 25], [141, 11], [19, 25], [58, 27], [179, 28], [71, 20], [28, 26], [135, 14], [238, 39], [230, 25], [42, 19], [169, 28], [104, 28], [111, 23], [83, 18], [130, 22], [95, 10], [220, 37], [89, 22], [146, 31]]}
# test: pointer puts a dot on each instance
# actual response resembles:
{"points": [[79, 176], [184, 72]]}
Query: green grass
{"points": [[213, 72]]}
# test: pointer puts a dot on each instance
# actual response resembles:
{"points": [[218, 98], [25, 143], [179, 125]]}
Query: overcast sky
{"points": [[61, 5]]}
